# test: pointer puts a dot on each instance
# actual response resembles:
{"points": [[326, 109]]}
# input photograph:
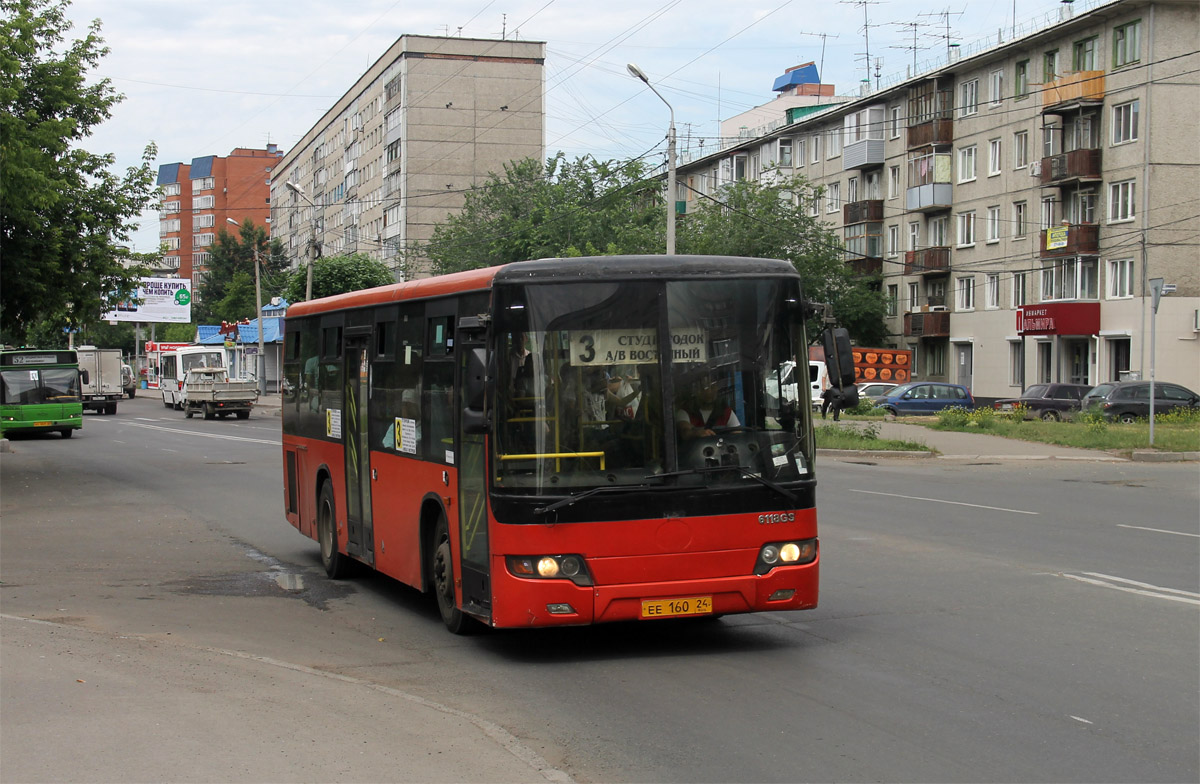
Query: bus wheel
{"points": [[336, 565], [70, 431], [442, 569]]}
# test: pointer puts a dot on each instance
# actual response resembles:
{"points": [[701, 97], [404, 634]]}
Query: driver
{"points": [[700, 410]]}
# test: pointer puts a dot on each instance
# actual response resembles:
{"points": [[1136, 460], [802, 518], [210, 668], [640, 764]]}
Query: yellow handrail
{"points": [[556, 455]]}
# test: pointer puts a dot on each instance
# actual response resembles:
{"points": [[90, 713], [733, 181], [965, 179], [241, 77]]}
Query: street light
{"points": [[638, 73], [312, 230], [260, 367]]}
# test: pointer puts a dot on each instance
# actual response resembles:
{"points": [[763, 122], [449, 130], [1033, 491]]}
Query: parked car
{"points": [[1128, 401], [925, 398], [128, 381], [1051, 402], [874, 389]]}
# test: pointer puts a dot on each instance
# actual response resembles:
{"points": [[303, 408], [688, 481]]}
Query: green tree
{"points": [[561, 208], [338, 275], [750, 218], [63, 214], [227, 293]]}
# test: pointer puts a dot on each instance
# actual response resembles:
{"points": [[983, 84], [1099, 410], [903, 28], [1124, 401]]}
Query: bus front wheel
{"points": [[442, 569], [336, 565], [70, 431]]}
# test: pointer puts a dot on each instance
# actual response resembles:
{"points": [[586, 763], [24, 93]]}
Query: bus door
{"points": [[360, 534], [472, 483]]}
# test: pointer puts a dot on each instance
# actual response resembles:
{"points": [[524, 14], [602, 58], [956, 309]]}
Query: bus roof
{"points": [[583, 268]]}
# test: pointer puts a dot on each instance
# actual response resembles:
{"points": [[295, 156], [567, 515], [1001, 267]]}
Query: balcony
{"points": [[1081, 87], [1079, 240], [862, 211], [927, 325], [1071, 167], [930, 261], [865, 266], [937, 131], [863, 154], [929, 198]]}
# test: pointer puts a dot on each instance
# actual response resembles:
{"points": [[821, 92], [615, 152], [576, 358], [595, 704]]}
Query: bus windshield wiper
{"points": [[560, 503], [743, 470]]}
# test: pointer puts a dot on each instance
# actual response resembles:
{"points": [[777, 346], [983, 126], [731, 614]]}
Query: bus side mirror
{"points": [[83, 376], [839, 360], [474, 392]]}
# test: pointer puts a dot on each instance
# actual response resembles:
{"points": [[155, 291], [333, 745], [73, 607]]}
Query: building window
{"points": [[993, 292], [893, 294], [852, 190], [1020, 149], [1120, 201], [833, 197], [966, 228], [893, 182], [168, 226], [1047, 212], [966, 164], [996, 88], [893, 241], [785, 152], [1125, 122], [1016, 363], [170, 262], [965, 293], [171, 189], [202, 203], [993, 224], [894, 122], [1120, 279], [814, 205], [914, 293], [1020, 282], [201, 259], [800, 146], [171, 243], [203, 184], [816, 148], [1127, 44], [202, 240], [968, 98], [170, 207], [1083, 55], [1050, 66], [203, 221], [1066, 279], [994, 157], [939, 230], [1021, 80], [863, 240], [935, 359], [834, 148], [1020, 221]]}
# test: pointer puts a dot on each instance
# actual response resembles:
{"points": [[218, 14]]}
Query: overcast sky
{"points": [[201, 78]]}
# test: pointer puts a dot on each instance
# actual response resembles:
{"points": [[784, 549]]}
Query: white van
{"points": [[174, 365]]}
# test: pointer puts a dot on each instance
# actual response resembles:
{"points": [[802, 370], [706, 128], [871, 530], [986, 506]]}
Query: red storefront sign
{"points": [[1059, 318]]}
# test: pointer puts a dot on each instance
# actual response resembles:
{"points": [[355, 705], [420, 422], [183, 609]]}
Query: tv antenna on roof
{"points": [[866, 30], [948, 35]]}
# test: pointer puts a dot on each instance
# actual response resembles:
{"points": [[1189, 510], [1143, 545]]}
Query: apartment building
{"points": [[430, 120], [196, 198], [1015, 204]]}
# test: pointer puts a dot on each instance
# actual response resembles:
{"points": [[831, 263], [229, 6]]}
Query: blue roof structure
{"points": [[247, 333], [805, 74], [202, 167], [168, 173]]}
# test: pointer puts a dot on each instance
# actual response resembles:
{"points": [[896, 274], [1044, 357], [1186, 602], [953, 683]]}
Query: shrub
{"points": [[953, 417], [1017, 414], [1179, 416]]}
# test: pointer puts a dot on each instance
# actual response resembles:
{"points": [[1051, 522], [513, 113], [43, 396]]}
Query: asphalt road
{"points": [[1021, 621]]}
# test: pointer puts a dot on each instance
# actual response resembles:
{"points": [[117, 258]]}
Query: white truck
{"points": [[209, 391], [103, 385]]}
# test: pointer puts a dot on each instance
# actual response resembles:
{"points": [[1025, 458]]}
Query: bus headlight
{"points": [[549, 567], [785, 554]]}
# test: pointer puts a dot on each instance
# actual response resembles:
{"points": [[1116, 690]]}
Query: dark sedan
{"points": [[1129, 401], [1051, 402]]}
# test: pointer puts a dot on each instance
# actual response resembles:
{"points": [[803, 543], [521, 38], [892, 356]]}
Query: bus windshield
{"points": [[28, 386], [586, 399]]}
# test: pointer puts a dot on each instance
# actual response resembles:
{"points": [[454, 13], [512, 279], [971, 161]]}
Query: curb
{"points": [[871, 453], [1165, 457]]}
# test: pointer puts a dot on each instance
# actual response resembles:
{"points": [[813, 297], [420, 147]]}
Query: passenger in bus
{"points": [[616, 405], [700, 409]]}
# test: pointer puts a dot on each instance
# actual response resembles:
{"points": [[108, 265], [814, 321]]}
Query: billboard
{"points": [[163, 300]]}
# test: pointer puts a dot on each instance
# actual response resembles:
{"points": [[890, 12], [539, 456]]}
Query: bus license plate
{"points": [[42, 424], [671, 608]]}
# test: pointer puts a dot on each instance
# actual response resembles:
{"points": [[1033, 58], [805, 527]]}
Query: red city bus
{"points": [[514, 441]]}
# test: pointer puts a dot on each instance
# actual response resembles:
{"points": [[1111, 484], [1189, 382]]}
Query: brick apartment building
{"points": [[197, 197]]}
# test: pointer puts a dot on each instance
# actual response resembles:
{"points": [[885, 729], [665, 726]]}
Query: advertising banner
{"points": [[163, 301]]}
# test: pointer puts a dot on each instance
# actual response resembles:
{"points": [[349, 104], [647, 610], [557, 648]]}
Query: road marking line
{"points": [[1155, 594], [1158, 530], [1142, 585], [207, 435], [1085, 721], [943, 501]]}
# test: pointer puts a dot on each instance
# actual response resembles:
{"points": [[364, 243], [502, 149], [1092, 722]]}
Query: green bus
{"points": [[39, 391]]}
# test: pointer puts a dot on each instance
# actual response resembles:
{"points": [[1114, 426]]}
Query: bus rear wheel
{"points": [[336, 565], [442, 570], [70, 431]]}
